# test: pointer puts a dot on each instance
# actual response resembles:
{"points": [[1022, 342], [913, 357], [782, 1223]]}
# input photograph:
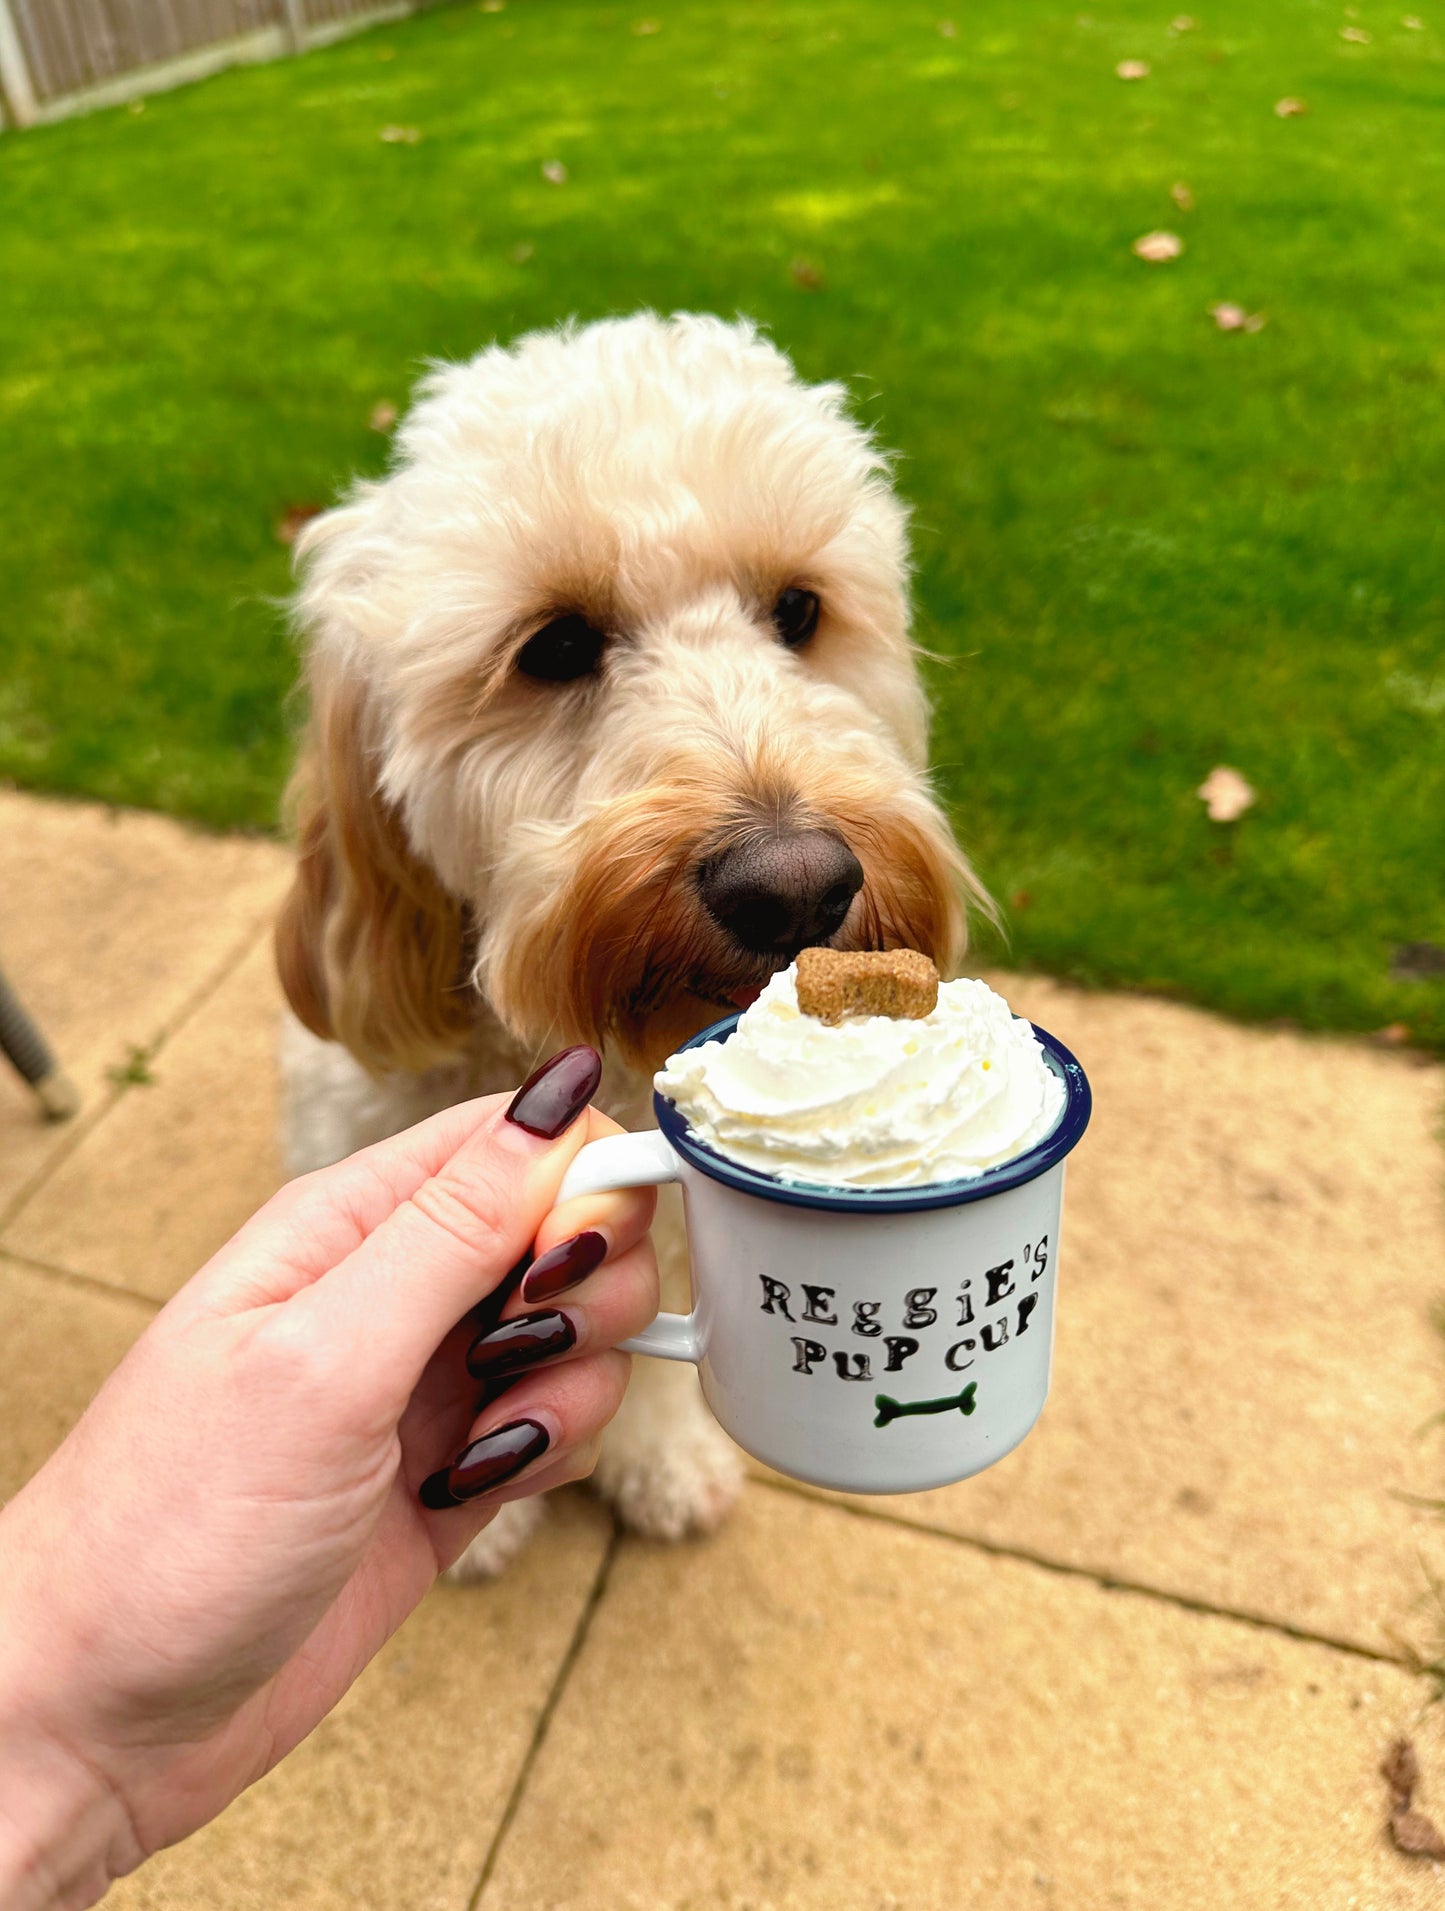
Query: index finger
{"points": [[318, 1220], [385, 1306]]}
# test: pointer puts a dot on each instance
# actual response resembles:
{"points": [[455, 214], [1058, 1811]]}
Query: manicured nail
{"points": [[435, 1494], [488, 1311], [517, 1344], [496, 1458], [553, 1096], [564, 1266]]}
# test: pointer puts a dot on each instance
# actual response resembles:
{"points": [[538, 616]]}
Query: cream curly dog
{"points": [[612, 710]]}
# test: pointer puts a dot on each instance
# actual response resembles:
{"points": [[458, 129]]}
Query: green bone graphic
{"points": [[895, 1409]]}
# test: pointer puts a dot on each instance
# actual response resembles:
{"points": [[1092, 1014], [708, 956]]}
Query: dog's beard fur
{"points": [[467, 832], [620, 949], [626, 956]]}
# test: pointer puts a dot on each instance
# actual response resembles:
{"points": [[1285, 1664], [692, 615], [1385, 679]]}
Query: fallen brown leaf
{"points": [[1415, 1835], [806, 275], [383, 416], [399, 135], [1357, 36], [293, 519], [1392, 1035], [1233, 318], [1021, 899], [1225, 794], [1132, 69], [1289, 108], [1400, 1770], [1183, 23], [1158, 247], [554, 172], [1182, 195]]}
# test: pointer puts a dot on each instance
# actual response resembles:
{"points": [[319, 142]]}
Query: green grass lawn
{"points": [[1145, 547]]}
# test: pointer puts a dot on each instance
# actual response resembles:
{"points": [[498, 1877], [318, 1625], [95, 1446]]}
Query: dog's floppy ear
{"points": [[372, 950]]}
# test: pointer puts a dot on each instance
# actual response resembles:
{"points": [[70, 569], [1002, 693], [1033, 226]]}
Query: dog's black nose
{"points": [[781, 893]]}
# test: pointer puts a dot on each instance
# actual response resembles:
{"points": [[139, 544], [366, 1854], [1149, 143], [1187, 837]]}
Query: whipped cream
{"points": [[871, 1102]]}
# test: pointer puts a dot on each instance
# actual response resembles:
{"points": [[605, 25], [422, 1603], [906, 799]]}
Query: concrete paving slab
{"points": [[821, 1710], [1253, 1246], [393, 1802], [818, 1707], [60, 1340], [177, 1165], [109, 921]]}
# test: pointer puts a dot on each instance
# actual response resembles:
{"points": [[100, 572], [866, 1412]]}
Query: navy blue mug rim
{"points": [[1060, 1141]]}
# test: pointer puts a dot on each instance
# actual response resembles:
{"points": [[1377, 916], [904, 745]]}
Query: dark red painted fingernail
{"points": [[435, 1494], [553, 1096], [564, 1266], [517, 1344], [496, 1458], [488, 1311]]}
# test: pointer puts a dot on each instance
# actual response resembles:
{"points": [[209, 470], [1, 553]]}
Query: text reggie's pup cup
{"points": [[875, 1340]]}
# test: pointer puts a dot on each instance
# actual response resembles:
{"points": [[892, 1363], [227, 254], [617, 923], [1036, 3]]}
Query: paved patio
{"points": [[1152, 1660]]}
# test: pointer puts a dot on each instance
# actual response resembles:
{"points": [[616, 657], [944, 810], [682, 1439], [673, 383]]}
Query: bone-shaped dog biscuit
{"points": [[833, 983]]}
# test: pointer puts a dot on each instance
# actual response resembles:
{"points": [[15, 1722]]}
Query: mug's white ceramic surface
{"points": [[873, 1340]]}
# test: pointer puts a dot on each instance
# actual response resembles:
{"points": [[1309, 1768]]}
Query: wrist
{"points": [[65, 1836], [65, 1832]]}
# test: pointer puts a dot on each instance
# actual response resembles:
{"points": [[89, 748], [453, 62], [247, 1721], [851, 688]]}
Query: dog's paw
{"points": [[498, 1543], [689, 1484]]}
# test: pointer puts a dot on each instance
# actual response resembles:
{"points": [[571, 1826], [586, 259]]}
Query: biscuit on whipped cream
{"points": [[833, 983]]}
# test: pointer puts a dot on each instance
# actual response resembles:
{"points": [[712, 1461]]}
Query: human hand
{"points": [[238, 1521]]}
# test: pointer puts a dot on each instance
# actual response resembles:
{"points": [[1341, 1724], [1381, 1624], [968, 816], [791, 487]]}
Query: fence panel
{"points": [[74, 44], [330, 12]]}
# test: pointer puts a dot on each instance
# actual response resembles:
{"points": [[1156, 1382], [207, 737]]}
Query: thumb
{"points": [[389, 1304]]}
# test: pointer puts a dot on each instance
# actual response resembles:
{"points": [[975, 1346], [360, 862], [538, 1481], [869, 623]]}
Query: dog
{"points": [[613, 708]]}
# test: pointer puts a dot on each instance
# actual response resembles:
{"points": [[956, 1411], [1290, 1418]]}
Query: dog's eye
{"points": [[795, 616], [566, 648]]}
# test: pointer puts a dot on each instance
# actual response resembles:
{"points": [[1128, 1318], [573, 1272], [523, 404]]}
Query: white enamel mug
{"points": [[872, 1340]]}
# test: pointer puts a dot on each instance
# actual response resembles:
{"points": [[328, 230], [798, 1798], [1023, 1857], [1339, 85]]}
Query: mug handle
{"points": [[635, 1161]]}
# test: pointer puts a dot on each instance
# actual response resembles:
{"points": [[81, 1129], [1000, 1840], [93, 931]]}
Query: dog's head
{"points": [[613, 705]]}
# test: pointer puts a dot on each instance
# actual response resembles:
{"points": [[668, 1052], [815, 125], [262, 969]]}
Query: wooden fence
{"points": [[65, 56]]}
